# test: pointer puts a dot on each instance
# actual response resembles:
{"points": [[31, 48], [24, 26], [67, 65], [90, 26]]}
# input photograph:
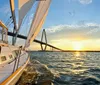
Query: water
{"points": [[74, 68]]}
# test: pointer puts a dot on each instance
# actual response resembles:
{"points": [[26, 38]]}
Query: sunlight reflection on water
{"points": [[78, 66]]}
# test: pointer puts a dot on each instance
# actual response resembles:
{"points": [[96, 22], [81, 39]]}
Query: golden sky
{"points": [[89, 44], [71, 45]]}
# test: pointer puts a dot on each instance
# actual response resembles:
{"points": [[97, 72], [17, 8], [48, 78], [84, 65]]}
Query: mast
{"points": [[12, 6]]}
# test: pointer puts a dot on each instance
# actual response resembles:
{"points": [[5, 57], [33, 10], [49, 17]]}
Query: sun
{"points": [[77, 46]]}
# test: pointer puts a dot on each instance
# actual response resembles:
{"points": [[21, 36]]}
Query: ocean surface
{"points": [[72, 68]]}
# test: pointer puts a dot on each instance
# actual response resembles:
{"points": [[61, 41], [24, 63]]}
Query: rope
{"points": [[15, 64], [17, 59], [20, 48]]}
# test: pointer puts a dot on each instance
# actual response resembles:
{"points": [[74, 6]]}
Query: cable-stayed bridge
{"points": [[38, 41]]}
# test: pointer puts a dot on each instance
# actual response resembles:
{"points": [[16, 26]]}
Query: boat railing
{"points": [[3, 33]]}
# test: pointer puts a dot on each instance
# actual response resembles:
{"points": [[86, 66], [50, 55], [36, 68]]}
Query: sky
{"points": [[70, 24]]}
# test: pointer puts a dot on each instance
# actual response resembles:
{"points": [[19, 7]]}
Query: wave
{"points": [[35, 74], [77, 80], [70, 70], [90, 81], [94, 70], [63, 79]]}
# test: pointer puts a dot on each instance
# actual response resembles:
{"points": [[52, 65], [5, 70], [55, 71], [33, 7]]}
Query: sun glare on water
{"points": [[77, 46]]}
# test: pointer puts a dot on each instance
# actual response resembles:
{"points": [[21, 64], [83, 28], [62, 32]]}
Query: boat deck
{"points": [[7, 70]]}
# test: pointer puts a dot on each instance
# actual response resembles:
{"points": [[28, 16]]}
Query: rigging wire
{"points": [[8, 20], [9, 23]]}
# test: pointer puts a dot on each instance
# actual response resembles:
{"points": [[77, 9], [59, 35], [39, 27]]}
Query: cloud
{"points": [[84, 26], [73, 32], [85, 1]]}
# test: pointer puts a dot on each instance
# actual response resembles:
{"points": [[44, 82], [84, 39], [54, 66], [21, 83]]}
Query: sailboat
{"points": [[13, 59]]}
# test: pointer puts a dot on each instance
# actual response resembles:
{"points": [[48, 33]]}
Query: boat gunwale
{"points": [[15, 74]]}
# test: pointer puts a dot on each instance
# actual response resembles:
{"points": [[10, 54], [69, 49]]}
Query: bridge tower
{"points": [[45, 38]]}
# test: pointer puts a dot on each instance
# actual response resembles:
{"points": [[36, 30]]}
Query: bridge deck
{"points": [[37, 41]]}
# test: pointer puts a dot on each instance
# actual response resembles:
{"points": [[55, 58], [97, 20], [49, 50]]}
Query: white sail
{"points": [[24, 7], [38, 20]]}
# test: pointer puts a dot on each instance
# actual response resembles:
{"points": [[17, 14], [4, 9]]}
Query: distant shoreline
{"points": [[65, 51]]}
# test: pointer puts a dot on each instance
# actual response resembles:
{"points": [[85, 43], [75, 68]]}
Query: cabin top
{"points": [[8, 54]]}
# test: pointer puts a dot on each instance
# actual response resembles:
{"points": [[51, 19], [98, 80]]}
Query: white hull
{"points": [[7, 76]]}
